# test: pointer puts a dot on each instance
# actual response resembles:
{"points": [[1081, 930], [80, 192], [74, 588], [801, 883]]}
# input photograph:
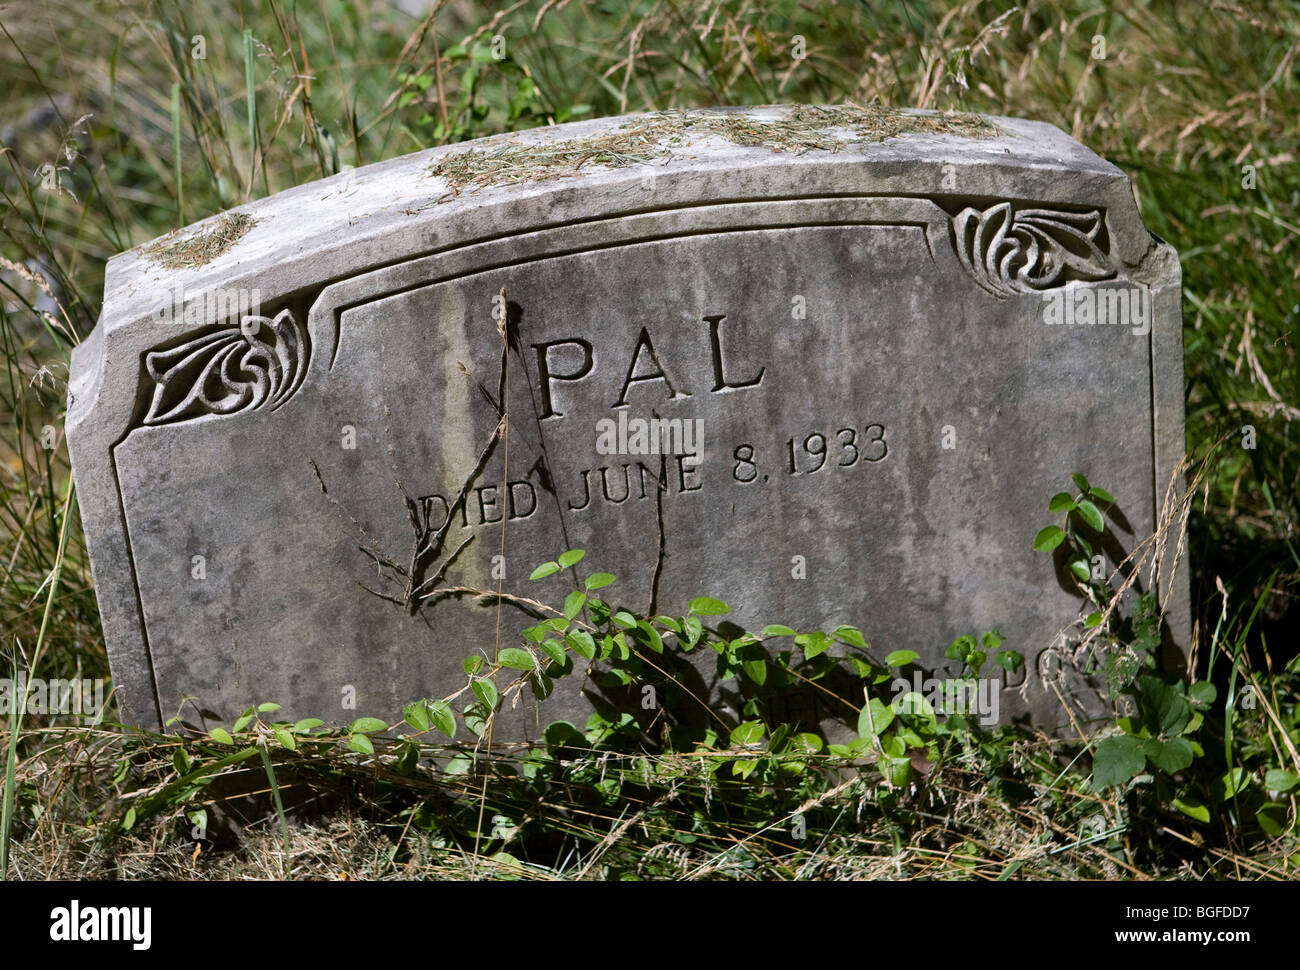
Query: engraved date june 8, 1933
{"points": [[799, 457]]}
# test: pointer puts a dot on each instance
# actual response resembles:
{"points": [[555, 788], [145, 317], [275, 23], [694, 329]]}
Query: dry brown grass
{"points": [[196, 248]]}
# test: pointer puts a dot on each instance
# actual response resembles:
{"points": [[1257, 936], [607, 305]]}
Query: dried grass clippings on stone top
{"points": [[804, 128], [204, 246]]}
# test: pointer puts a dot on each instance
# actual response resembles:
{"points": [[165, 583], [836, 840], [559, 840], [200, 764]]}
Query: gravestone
{"points": [[827, 365]]}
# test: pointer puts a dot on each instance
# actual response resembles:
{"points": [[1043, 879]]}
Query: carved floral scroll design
{"points": [[258, 363], [1008, 251]]}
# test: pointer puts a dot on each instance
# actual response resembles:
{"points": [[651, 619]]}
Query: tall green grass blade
{"points": [[250, 96], [279, 806], [19, 704], [176, 153], [11, 775]]}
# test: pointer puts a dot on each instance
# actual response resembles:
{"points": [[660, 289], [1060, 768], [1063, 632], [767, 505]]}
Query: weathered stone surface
{"points": [[860, 337]]}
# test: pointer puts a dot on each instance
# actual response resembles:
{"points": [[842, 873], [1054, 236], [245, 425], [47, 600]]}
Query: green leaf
{"points": [[1061, 502], [1272, 818], [1280, 780], [473, 664], [544, 570], [573, 604], [866, 670], [485, 691], [707, 606], [877, 713], [960, 648], [1049, 538], [1174, 712], [812, 644], [1092, 515], [756, 670], [915, 703], [1169, 756], [582, 643], [599, 580], [1101, 495], [852, 636], [896, 768], [1080, 481], [244, 720], [744, 768], [541, 685], [1009, 660], [417, 715], [1203, 693], [1192, 807], [1081, 569], [285, 738], [625, 619], [268, 708], [1231, 783], [1093, 619], [751, 732], [563, 734], [555, 651], [806, 743], [517, 659], [128, 821], [776, 630], [221, 736], [408, 759], [1117, 760], [571, 558], [649, 636], [359, 742], [901, 658], [476, 719], [368, 725], [444, 719], [307, 724], [882, 714]]}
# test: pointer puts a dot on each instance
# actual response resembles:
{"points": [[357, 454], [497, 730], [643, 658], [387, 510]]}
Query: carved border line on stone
{"points": [[261, 361], [1030, 250]]}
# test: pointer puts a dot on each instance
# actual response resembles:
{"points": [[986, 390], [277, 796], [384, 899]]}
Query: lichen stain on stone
{"points": [[804, 128], [202, 247]]}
